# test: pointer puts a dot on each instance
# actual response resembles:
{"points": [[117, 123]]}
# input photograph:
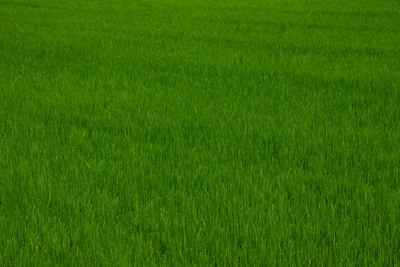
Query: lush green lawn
{"points": [[198, 132]]}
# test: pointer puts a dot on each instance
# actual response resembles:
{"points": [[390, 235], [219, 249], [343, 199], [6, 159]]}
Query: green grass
{"points": [[200, 132]]}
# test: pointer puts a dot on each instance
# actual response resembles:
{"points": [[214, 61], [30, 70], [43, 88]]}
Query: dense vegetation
{"points": [[200, 132]]}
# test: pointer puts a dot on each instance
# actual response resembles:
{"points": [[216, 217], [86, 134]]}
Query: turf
{"points": [[200, 132]]}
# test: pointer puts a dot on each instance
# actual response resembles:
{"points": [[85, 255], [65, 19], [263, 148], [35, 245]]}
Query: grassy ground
{"points": [[200, 132]]}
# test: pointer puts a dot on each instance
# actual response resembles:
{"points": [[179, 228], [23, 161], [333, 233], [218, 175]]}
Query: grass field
{"points": [[200, 132]]}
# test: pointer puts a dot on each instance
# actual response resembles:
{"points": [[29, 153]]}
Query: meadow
{"points": [[199, 132]]}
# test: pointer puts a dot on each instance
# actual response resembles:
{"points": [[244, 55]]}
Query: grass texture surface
{"points": [[206, 133]]}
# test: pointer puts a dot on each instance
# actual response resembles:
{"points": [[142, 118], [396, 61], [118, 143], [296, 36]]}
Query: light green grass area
{"points": [[221, 133]]}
